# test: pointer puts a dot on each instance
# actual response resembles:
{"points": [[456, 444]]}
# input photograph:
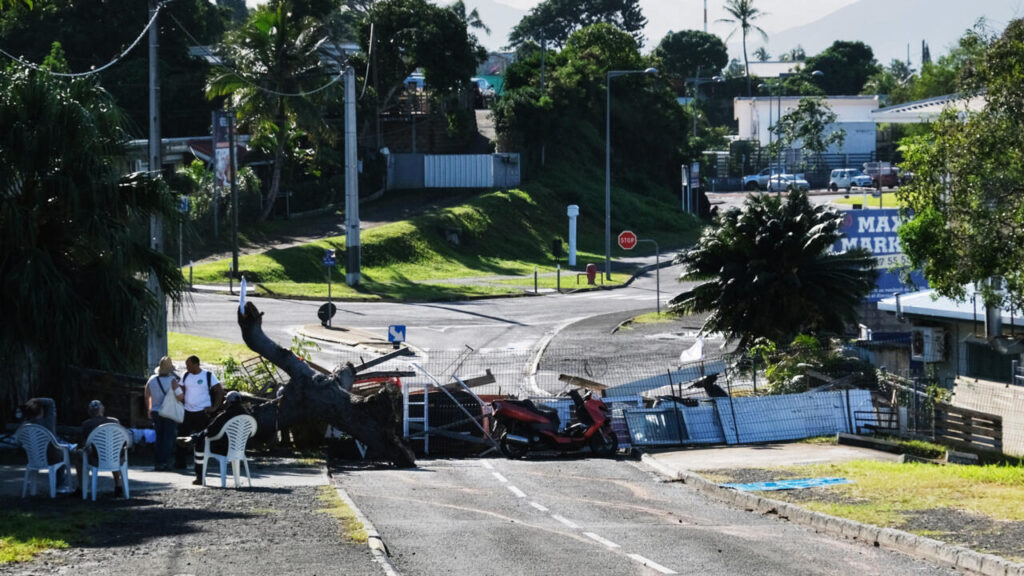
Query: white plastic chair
{"points": [[111, 441], [238, 430], [35, 439]]}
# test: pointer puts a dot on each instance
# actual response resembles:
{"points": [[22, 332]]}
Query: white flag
{"points": [[241, 299], [693, 353]]}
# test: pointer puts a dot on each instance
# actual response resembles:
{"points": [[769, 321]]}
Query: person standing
{"points": [[163, 381], [203, 397]]}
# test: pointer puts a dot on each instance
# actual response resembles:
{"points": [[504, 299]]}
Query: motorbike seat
{"points": [[545, 411]]}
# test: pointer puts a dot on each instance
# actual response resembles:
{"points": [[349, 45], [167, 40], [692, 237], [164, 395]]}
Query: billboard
{"points": [[222, 148], [876, 230]]}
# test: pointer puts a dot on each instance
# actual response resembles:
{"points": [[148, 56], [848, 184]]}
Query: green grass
{"points": [[568, 281], [883, 493], [209, 350], [24, 534], [501, 233], [654, 318], [888, 200], [351, 528]]}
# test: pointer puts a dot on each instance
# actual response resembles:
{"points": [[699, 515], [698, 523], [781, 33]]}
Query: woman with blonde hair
{"points": [[163, 381]]}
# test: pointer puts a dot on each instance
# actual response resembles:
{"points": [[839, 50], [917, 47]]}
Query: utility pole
{"points": [[351, 182], [232, 127], [156, 341], [705, 16]]}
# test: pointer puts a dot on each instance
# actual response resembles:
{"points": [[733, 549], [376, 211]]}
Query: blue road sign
{"points": [[183, 204], [396, 333], [329, 258]]}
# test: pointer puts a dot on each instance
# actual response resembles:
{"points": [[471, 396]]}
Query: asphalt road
{"points": [[572, 515]]}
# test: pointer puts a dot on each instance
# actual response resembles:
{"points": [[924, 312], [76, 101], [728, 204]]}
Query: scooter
{"points": [[520, 426]]}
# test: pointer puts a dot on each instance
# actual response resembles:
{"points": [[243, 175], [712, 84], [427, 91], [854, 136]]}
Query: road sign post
{"points": [[329, 262]]}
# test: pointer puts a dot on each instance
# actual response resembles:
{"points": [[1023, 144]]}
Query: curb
{"points": [[645, 270], [373, 539], [890, 538]]}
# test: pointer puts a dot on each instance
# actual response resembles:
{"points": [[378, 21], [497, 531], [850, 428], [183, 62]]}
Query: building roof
{"points": [[927, 303], [923, 111]]}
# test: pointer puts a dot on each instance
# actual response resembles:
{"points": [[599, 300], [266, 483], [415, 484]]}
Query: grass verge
{"points": [[351, 527], [209, 350], [26, 533]]}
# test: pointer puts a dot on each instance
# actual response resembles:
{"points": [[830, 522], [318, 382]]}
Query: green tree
{"points": [[846, 67], [553, 21], [74, 242], [743, 14], [806, 126], [966, 202], [686, 53], [762, 55], [768, 272], [895, 81], [274, 62], [795, 55]]}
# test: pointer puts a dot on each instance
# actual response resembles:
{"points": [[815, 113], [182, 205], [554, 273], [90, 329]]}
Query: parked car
{"points": [[847, 178], [882, 173], [781, 182], [758, 181]]}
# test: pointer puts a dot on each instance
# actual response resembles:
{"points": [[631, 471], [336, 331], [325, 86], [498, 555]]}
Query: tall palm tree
{"points": [[743, 15], [274, 60], [769, 272], [74, 242], [762, 55]]}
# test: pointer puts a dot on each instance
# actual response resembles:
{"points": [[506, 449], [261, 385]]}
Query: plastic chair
{"points": [[35, 439], [111, 441], [238, 431]]}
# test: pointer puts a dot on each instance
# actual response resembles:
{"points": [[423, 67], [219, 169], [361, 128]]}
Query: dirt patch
{"points": [[203, 531], [956, 527]]}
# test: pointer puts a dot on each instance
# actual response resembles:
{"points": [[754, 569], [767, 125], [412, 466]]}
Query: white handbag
{"points": [[172, 409]]}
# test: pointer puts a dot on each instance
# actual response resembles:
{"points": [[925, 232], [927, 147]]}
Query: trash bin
{"points": [[591, 273]]}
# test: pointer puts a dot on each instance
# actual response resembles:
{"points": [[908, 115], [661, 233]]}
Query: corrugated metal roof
{"points": [[929, 304], [923, 111]]}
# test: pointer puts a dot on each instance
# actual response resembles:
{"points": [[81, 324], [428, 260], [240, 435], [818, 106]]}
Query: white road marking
{"points": [[651, 564], [539, 507], [604, 541], [499, 477], [487, 465], [566, 521], [519, 493]]}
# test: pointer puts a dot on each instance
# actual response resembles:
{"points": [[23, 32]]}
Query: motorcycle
{"points": [[520, 426]]}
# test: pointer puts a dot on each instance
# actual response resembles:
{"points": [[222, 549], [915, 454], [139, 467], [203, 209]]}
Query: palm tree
{"points": [[761, 54], [743, 15], [273, 61], [769, 272], [74, 242]]}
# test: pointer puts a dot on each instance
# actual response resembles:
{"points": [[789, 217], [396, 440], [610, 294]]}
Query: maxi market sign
{"points": [[876, 230]]}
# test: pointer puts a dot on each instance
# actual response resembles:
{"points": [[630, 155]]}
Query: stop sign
{"points": [[627, 240]]}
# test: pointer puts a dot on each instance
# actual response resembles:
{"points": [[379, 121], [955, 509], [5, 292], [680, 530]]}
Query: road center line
{"points": [[566, 521], [519, 493], [652, 565], [499, 477], [488, 465], [538, 507], [604, 541]]}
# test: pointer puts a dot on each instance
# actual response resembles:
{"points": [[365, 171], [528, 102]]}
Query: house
{"points": [[854, 115], [961, 340]]}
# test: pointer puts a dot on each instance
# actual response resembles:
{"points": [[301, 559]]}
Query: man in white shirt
{"points": [[203, 397]]}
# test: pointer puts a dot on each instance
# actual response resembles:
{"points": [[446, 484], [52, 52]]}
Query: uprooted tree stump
{"points": [[374, 420]]}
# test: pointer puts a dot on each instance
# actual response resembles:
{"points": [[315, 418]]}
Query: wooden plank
{"points": [[487, 378], [581, 382], [952, 415], [965, 411], [968, 424], [968, 429]]}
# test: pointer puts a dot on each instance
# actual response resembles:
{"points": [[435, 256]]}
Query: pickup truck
{"points": [[758, 181]]}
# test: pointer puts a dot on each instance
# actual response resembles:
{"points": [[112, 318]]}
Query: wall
{"points": [[853, 115]]}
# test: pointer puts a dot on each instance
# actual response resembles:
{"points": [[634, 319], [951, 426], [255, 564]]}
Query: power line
{"points": [[118, 58], [242, 77]]}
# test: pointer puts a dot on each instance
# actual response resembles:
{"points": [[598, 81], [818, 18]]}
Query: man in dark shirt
{"points": [[95, 420], [232, 407]]}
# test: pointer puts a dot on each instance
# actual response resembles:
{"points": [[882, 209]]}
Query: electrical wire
{"points": [[118, 58], [252, 83]]}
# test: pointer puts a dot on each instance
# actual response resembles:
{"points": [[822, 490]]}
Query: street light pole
{"points": [[608, 164], [696, 94]]}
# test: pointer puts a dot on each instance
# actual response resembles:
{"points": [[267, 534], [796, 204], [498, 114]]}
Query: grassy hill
{"points": [[499, 233]]}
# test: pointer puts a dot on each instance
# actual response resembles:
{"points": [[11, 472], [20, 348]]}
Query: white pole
{"points": [[352, 274], [573, 212]]}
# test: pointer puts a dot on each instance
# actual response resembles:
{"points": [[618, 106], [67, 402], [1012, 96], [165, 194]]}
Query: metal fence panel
{"points": [[458, 171]]}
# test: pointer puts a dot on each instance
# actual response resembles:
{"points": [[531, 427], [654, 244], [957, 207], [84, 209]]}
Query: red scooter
{"points": [[520, 426]]}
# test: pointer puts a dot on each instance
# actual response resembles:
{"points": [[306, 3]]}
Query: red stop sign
{"points": [[627, 240]]}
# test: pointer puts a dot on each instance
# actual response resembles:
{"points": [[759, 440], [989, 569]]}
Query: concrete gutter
{"points": [[378, 548], [904, 542]]}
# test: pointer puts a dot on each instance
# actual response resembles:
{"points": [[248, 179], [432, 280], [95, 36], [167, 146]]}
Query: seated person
{"points": [[232, 407], [95, 420], [43, 412]]}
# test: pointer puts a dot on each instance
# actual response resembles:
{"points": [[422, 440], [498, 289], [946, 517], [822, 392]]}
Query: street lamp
{"points": [[696, 93], [608, 164], [778, 93]]}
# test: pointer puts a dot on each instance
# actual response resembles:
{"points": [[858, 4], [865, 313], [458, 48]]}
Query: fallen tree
{"points": [[374, 420]]}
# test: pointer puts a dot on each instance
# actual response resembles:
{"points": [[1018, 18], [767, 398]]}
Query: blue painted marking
{"points": [[788, 484]]}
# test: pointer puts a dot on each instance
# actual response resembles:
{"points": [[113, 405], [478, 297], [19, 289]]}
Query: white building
{"points": [[854, 114]]}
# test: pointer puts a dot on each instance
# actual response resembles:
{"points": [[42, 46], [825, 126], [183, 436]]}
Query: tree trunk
{"points": [[275, 179], [374, 420]]}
